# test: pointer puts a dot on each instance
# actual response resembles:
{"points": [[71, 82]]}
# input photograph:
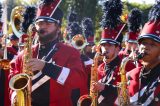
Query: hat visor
{"points": [[132, 41], [150, 36], [48, 19], [110, 41]]}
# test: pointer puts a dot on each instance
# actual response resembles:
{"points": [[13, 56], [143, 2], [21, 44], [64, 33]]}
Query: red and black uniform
{"points": [[64, 70], [12, 52], [4, 82], [144, 88], [124, 52], [109, 75], [87, 63]]}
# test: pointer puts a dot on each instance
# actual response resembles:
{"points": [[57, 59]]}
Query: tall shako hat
{"points": [[28, 18], [74, 29], [88, 30], [13, 37], [151, 29], [72, 17], [1, 23], [48, 11], [134, 23], [111, 22]]}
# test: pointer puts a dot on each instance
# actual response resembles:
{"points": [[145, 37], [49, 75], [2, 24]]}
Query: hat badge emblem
{"points": [[158, 32], [47, 14]]}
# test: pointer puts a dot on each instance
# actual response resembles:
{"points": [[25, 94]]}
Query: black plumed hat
{"points": [[134, 20], [29, 17], [111, 22], [88, 29], [134, 23], [151, 29], [112, 11], [72, 17], [74, 29]]}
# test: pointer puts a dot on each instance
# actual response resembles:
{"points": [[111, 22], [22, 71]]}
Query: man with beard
{"points": [[144, 85], [57, 67], [108, 71]]}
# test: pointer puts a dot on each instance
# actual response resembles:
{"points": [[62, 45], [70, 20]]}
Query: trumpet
{"points": [[5, 64], [79, 41]]}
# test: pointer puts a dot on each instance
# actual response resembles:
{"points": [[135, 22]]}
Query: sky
{"points": [[142, 1]]}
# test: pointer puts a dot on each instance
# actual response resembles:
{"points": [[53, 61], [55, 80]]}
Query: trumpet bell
{"points": [[78, 41], [5, 64]]}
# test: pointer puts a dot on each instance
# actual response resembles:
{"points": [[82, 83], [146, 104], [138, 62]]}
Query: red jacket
{"points": [[109, 95], [60, 94], [134, 89]]}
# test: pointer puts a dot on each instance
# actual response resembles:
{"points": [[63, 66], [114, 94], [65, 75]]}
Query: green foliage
{"points": [[89, 8], [143, 7]]}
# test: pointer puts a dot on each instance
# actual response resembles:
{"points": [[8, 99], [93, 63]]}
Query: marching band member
{"points": [[144, 87], [134, 24], [12, 50], [110, 44], [63, 65], [75, 35], [88, 31], [71, 18]]}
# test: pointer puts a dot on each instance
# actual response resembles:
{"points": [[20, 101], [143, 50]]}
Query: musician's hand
{"points": [[35, 64], [97, 86]]}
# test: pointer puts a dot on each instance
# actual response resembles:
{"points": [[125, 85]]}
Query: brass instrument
{"points": [[5, 64], [123, 96], [17, 15], [79, 41], [92, 98], [21, 83]]}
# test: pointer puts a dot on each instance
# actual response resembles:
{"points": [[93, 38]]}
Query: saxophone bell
{"points": [[20, 83]]}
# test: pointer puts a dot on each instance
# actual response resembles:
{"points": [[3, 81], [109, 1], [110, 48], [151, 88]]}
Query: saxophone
{"points": [[92, 98], [21, 83], [123, 95]]}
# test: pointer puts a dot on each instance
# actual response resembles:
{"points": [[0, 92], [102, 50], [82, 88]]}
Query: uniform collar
{"points": [[48, 45], [113, 63]]}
